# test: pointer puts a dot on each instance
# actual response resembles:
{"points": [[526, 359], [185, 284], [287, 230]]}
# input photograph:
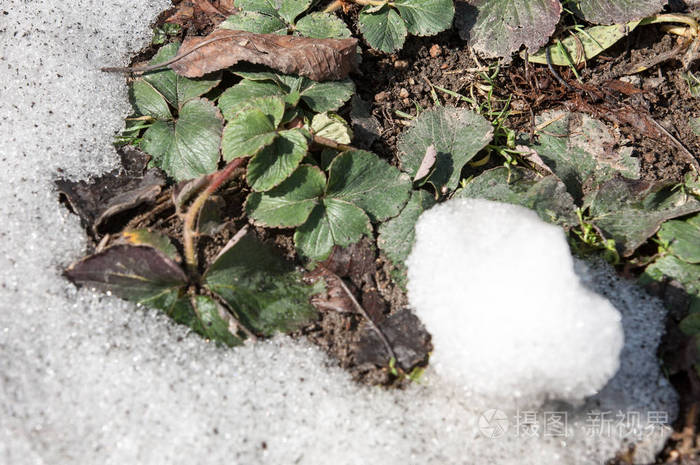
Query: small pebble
{"points": [[412, 81], [444, 66], [403, 93], [435, 51], [380, 97], [401, 64]]}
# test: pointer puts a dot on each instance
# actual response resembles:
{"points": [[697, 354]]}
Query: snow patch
{"points": [[511, 321]]}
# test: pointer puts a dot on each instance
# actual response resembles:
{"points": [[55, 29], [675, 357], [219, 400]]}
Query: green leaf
{"points": [[580, 149], [244, 94], [369, 182], [334, 222], [547, 195], [188, 147], [147, 101], [326, 96], [252, 21], [290, 203], [683, 237], [396, 236], [331, 126], [290, 9], [383, 29], [457, 134], [177, 89], [252, 129], [268, 7], [690, 325], [318, 96], [426, 17], [616, 11], [154, 239], [139, 273], [264, 290], [215, 323], [583, 45], [498, 28], [274, 163], [631, 212], [669, 266], [320, 25]]}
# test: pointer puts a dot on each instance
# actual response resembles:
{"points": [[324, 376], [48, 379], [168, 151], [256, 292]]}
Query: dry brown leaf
{"points": [[317, 59]]}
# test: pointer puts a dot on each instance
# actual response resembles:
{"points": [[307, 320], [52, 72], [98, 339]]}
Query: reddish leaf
{"points": [[317, 59]]}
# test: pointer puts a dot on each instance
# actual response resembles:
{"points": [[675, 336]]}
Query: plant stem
{"points": [[673, 18], [188, 233], [338, 3], [332, 144]]}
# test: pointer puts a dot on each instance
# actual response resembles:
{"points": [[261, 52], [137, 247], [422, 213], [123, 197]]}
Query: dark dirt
{"points": [[404, 82]]}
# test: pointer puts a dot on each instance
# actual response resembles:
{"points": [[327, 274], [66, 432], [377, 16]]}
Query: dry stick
{"points": [[188, 234], [145, 69], [338, 3], [364, 313], [691, 159], [331, 143], [548, 55]]}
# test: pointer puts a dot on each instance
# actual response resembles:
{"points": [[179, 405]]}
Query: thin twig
{"points": [[548, 55], [320, 140], [364, 313], [691, 159]]}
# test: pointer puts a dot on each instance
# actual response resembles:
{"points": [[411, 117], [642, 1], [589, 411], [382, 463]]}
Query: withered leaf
{"points": [[139, 273], [98, 201], [408, 339], [317, 59]]}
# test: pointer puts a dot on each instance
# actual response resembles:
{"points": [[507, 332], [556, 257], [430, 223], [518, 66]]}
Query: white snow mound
{"points": [[510, 319]]}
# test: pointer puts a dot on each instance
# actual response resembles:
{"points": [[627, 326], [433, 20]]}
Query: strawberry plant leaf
{"points": [[683, 238], [631, 212], [245, 94], [457, 134], [176, 89], [616, 11], [262, 289], [583, 45], [333, 222], [274, 163], [317, 96], [326, 96], [147, 101], [368, 182], [139, 273], [215, 322], [382, 28], [253, 21], [291, 202], [670, 266], [320, 25], [547, 195], [267, 7], [498, 28], [289, 10], [153, 239], [188, 147], [252, 129], [580, 149], [426, 17], [331, 126], [396, 236]]}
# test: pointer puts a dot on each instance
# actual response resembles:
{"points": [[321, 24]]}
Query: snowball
{"points": [[510, 319]]}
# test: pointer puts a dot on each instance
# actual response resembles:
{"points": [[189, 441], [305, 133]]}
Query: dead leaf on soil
{"points": [[317, 59], [114, 193]]}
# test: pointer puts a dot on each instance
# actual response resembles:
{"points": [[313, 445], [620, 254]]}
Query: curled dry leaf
{"points": [[317, 59], [427, 163]]}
